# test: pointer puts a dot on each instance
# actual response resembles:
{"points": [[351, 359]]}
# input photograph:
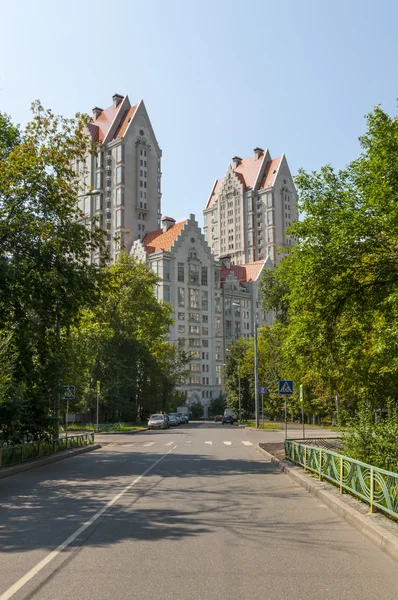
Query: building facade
{"points": [[122, 183], [250, 209], [213, 301]]}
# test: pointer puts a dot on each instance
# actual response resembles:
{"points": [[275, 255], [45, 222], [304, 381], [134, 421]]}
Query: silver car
{"points": [[157, 422], [174, 419]]}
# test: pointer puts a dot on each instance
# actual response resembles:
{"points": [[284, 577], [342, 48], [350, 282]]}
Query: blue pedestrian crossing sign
{"points": [[285, 386], [263, 390], [69, 392]]}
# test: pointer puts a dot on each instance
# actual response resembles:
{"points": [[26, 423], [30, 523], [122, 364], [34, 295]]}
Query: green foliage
{"points": [[335, 294], [217, 406], [196, 410]]}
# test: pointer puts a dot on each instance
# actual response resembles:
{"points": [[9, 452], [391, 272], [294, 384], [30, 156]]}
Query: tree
{"points": [[217, 406], [46, 275], [196, 410]]}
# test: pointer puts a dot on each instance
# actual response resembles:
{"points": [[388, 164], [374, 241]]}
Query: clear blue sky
{"points": [[218, 77]]}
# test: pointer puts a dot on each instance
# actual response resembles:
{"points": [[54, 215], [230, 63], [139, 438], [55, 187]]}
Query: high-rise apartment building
{"points": [[125, 176], [214, 302], [250, 209]]}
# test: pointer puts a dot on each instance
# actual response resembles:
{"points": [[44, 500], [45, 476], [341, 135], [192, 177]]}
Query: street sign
{"points": [[301, 392], [285, 387], [98, 387], [263, 390], [69, 392]]}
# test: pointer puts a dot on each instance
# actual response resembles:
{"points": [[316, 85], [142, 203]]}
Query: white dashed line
{"points": [[188, 442], [209, 443], [247, 443], [169, 443], [228, 443], [149, 444]]}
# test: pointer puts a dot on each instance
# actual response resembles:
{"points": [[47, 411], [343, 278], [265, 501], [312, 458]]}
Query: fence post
{"points": [[341, 474], [320, 464], [293, 452], [305, 458], [371, 511]]}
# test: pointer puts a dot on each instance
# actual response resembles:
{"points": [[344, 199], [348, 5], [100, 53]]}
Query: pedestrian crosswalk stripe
{"points": [[209, 443], [228, 443], [168, 443], [247, 443], [188, 441], [149, 444]]}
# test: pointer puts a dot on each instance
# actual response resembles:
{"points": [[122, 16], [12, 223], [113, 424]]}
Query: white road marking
{"points": [[247, 443], [149, 444], [168, 444], [226, 443], [209, 443], [43, 563], [188, 442], [126, 445]]}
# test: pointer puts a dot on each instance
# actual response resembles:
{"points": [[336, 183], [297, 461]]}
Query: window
{"points": [[270, 200], [98, 180], [203, 276], [119, 153], [166, 268], [195, 342], [120, 218], [218, 349], [205, 300], [194, 329], [195, 379], [194, 367], [193, 298], [194, 317], [270, 235], [119, 196], [217, 303], [181, 272], [205, 331], [158, 165], [249, 221], [194, 354], [181, 296], [205, 319], [181, 316], [205, 343], [98, 160], [217, 276], [87, 205], [181, 328], [218, 325], [270, 217], [166, 293], [120, 175], [249, 204], [250, 238], [218, 374], [158, 185], [194, 273], [98, 202]]}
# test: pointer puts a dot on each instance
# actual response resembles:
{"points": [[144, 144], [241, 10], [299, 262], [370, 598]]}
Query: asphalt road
{"points": [[209, 519]]}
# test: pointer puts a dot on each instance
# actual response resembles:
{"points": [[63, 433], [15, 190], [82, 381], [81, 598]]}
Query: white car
{"points": [[157, 422]]}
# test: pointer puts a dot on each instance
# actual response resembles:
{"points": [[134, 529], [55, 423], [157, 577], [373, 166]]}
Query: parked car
{"points": [[174, 419], [157, 422], [183, 418], [228, 419], [218, 418], [166, 418]]}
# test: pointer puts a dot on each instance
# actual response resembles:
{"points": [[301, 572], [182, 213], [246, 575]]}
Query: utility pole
{"points": [[240, 407], [256, 374]]}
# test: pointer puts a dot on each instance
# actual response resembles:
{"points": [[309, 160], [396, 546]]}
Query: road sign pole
{"points": [[256, 375], [285, 418], [302, 408]]}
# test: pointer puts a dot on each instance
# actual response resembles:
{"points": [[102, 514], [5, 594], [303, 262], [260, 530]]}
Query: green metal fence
{"points": [[377, 487], [12, 455]]}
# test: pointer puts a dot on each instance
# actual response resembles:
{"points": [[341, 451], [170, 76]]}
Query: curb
{"points": [[41, 462], [384, 540], [121, 432]]}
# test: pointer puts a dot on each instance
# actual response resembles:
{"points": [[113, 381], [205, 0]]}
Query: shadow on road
{"points": [[184, 496]]}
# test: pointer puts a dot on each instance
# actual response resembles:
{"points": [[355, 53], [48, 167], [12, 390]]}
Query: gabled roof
{"points": [[248, 172], [157, 240], [124, 123], [105, 120], [271, 171], [243, 273]]}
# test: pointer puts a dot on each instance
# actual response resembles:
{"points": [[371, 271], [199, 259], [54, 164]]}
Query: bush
{"points": [[196, 410]]}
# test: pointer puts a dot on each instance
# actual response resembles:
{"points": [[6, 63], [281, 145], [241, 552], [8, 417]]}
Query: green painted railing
{"points": [[13, 455], [377, 487]]}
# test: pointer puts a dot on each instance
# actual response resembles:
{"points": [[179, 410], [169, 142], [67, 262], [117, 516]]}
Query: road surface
{"points": [[190, 513]]}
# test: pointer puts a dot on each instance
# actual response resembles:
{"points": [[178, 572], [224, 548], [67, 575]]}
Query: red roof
{"points": [[128, 115], [243, 273], [271, 171], [105, 120], [155, 241], [248, 171]]}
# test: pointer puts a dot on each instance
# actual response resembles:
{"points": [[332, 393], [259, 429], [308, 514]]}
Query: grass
{"points": [[106, 427], [266, 425]]}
